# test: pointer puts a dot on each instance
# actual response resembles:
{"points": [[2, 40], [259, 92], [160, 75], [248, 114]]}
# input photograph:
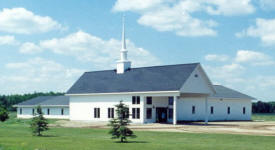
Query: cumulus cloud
{"points": [[37, 74], [177, 16], [23, 21], [30, 48], [8, 40], [254, 58], [215, 57], [264, 29], [100, 53]]}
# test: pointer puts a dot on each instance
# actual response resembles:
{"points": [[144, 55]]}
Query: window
{"points": [[110, 112], [170, 100], [20, 111], [135, 99], [193, 109], [48, 111], [212, 110], [149, 113], [96, 112], [62, 111], [228, 110], [135, 113], [243, 110], [170, 113], [149, 100], [138, 99], [32, 111]]}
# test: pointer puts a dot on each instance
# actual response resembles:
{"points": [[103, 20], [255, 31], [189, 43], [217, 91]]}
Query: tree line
{"points": [[263, 107], [7, 101]]}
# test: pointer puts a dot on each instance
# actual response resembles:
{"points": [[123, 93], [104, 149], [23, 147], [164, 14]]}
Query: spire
{"points": [[123, 42], [123, 64]]}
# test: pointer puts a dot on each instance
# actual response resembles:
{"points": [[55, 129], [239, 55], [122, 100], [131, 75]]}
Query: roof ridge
{"points": [[145, 67]]}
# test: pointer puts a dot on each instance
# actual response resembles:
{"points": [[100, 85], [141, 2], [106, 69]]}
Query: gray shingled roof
{"points": [[156, 78], [224, 92], [46, 101]]}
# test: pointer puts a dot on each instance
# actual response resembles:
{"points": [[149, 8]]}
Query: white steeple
{"points": [[123, 64]]}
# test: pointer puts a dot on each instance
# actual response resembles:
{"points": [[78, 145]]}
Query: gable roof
{"points": [[46, 101], [224, 92], [156, 78]]}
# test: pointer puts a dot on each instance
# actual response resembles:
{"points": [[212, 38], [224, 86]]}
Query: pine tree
{"points": [[3, 114], [39, 123], [119, 124]]}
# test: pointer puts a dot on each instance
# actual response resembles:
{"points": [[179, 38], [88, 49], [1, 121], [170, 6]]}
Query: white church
{"points": [[157, 94]]}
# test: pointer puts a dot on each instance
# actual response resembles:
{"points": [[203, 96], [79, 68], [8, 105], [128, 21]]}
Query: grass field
{"points": [[15, 135], [264, 117]]}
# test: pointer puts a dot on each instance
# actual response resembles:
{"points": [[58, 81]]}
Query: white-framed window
{"points": [[212, 110], [193, 109], [96, 112], [135, 99], [111, 112], [135, 113]]}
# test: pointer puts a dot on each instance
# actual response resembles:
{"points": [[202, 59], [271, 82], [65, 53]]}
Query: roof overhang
{"points": [[40, 105], [177, 93]]}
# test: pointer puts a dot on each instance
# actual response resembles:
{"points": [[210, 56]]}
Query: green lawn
{"points": [[264, 117], [15, 135]]}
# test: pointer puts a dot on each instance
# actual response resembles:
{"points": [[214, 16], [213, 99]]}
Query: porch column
{"points": [[175, 110], [142, 109], [206, 110]]}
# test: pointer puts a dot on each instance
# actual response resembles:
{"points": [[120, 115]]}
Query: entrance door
{"points": [[161, 115]]}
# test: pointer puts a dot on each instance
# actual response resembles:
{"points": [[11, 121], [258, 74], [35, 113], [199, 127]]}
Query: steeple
{"points": [[123, 64]]}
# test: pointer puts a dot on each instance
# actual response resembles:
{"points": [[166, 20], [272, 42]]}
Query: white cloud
{"points": [[176, 16], [37, 74], [8, 40], [226, 73], [254, 58], [229, 7], [215, 57], [264, 29], [101, 53], [22, 21], [30, 48]]}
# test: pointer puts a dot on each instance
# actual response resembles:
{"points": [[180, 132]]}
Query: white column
{"points": [[206, 110], [175, 110], [142, 109]]}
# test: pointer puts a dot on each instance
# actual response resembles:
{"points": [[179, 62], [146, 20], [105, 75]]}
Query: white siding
{"points": [[220, 109], [82, 107], [55, 112], [197, 83]]}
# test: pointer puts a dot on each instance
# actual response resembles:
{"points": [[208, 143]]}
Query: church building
{"points": [[162, 94]]}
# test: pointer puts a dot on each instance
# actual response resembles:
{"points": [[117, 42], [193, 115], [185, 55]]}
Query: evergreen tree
{"points": [[39, 123], [3, 114], [120, 122]]}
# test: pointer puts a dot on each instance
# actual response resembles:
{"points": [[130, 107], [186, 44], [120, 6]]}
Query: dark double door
{"points": [[161, 114]]}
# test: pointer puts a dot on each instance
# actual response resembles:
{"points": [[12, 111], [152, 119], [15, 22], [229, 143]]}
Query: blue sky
{"points": [[46, 45]]}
